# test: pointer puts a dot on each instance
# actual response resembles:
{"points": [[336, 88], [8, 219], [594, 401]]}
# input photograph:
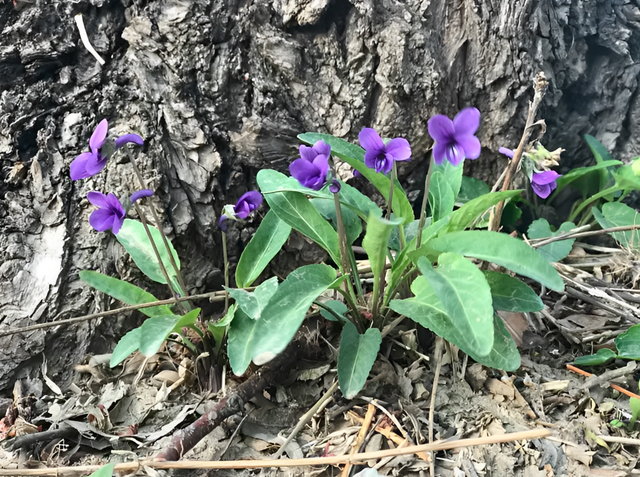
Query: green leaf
{"points": [[252, 303], [603, 356], [425, 308], [262, 339], [263, 246], [475, 208], [403, 259], [375, 244], [601, 155], [219, 328], [510, 294], [155, 330], [465, 294], [626, 178], [128, 344], [504, 354], [555, 251], [104, 471], [452, 175], [502, 249], [338, 307], [616, 214], [358, 202], [471, 188], [352, 223], [634, 404], [134, 239], [295, 209], [628, 343], [357, 355], [581, 172], [441, 196], [124, 291], [354, 156]]}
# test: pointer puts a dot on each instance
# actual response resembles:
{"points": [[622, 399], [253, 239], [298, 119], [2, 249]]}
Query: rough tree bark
{"points": [[220, 88]]}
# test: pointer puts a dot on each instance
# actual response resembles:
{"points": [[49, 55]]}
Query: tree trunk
{"points": [[220, 89]]}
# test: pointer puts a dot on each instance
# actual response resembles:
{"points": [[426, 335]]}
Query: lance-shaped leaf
{"points": [[375, 244], [124, 291], [155, 330], [511, 294], [474, 208], [498, 248], [441, 196], [295, 209], [134, 239], [465, 294], [263, 246], [355, 360], [425, 308], [252, 303], [262, 339]]}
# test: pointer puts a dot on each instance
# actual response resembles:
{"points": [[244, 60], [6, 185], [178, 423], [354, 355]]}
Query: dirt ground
{"points": [[131, 412]]}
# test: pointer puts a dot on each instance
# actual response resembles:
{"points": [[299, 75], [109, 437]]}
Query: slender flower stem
{"points": [[425, 202], [392, 181], [156, 252], [225, 257], [344, 247], [156, 219]]}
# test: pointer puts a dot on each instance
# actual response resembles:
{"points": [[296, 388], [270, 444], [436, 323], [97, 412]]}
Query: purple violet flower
{"points": [[110, 213], [89, 164], [380, 156], [455, 140], [542, 183], [313, 165], [246, 204], [140, 194], [334, 188]]}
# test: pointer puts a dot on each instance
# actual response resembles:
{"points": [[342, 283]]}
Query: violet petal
{"points": [[78, 168], [370, 140], [99, 135], [441, 128], [454, 153], [507, 152], [127, 138], [322, 148], [307, 153], [467, 122], [95, 164], [439, 152], [470, 145], [140, 194], [542, 190], [546, 177], [101, 219], [399, 148], [98, 199]]}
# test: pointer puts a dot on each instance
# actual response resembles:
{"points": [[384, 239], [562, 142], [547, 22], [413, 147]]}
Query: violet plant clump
{"points": [[421, 268], [449, 293]]}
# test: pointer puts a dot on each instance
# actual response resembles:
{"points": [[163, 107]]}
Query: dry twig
{"points": [[314, 461]]}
